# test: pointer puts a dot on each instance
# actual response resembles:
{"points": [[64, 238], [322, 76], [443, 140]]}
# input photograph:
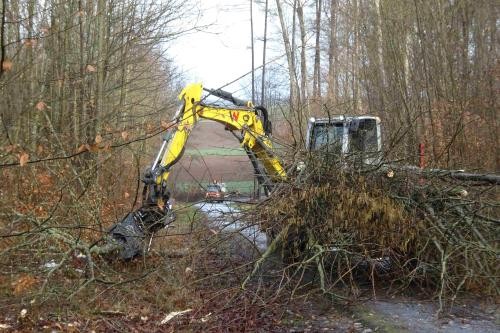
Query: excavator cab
{"points": [[350, 138]]}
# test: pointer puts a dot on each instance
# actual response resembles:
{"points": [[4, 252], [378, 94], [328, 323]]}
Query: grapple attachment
{"points": [[131, 232]]}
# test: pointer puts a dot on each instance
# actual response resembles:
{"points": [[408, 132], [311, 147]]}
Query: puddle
{"points": [[226, 218], [411, 316]]}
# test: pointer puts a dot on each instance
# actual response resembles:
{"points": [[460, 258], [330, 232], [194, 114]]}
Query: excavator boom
{"points": [[244, 119], [248, 123]]}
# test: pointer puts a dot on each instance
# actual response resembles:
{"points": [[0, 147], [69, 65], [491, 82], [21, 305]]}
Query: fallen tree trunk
{"points": [[442, 173]]}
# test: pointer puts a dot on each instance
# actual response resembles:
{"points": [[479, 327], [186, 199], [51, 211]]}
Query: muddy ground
{"points": [[372, 313]]}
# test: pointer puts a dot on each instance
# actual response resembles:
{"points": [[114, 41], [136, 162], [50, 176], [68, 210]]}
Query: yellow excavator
{"points": [[251, 126]]}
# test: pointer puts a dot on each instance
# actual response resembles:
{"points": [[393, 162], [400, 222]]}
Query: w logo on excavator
{"points": [[235, 115]]}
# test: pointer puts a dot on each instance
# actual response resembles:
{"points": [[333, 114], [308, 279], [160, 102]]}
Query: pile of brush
{"points": [[387, 228]]}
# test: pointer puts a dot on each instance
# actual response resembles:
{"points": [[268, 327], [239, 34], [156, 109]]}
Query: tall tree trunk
{"points": [[382, 82], [33, 119], [264, 47], [427, 85], [289, 56], [2, 37], [303, 61], [252, 48], [317, 56], [332, 95], [101, 31], [492, 97], [355, 60]]}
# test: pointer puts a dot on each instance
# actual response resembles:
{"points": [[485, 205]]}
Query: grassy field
{"points": [[215, 151], [242, 186], [222, 151]]}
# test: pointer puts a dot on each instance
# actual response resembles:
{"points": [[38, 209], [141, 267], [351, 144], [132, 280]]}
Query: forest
{"points": [[89, 87]]}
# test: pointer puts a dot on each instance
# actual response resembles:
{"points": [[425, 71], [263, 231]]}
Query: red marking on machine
{"points": [[235, 115], [422, 156]]}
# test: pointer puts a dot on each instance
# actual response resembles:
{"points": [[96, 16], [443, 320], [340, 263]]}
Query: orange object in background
{"points": [[214, 193]]}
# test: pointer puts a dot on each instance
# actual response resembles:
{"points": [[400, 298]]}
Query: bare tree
{"points": [[289, 55], [2, 37], [332, 94], [252, 48], [303, 60], [317, 56], [264, 48]]}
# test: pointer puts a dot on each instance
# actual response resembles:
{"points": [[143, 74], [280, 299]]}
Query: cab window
{"points": [[327, 137]]}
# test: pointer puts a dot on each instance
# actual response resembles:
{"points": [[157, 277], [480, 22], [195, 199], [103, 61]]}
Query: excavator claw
{"points": [[131, 232]]}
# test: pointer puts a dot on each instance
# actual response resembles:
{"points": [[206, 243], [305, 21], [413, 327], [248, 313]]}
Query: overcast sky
{"points": [[222, 52]]}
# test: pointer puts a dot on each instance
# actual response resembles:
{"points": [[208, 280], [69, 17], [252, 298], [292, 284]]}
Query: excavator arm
{"points": [[248, 123], [243, 118]]}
